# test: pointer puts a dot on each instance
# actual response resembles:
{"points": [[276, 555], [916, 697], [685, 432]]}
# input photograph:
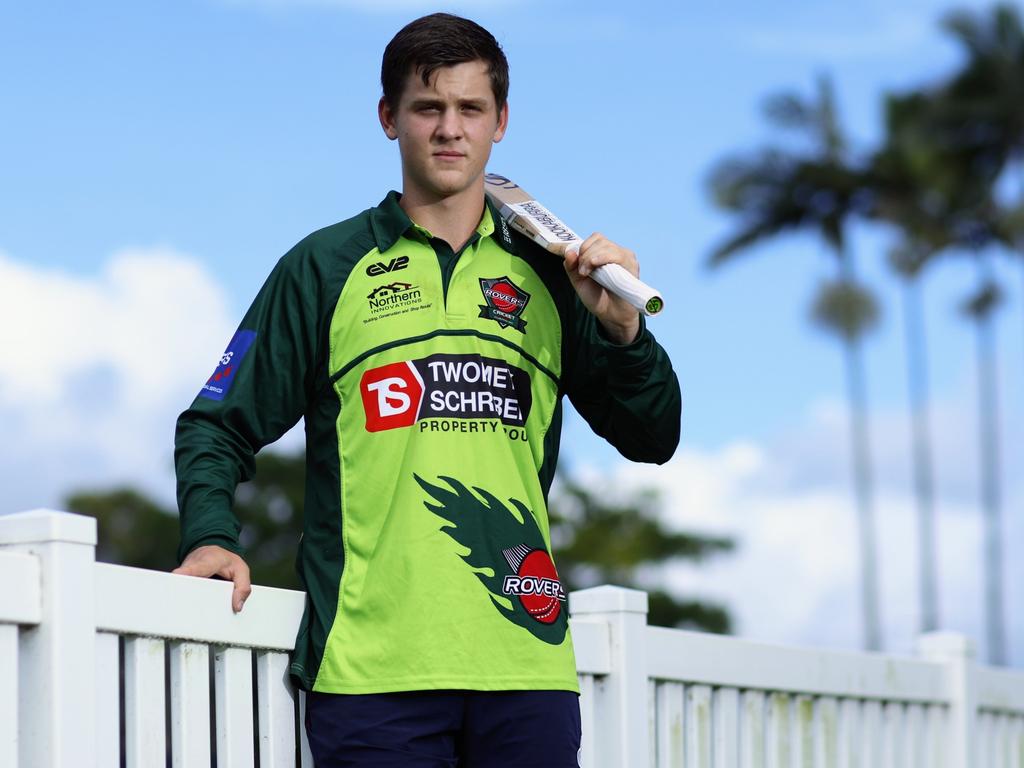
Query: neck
{"points": [[454, 218]]}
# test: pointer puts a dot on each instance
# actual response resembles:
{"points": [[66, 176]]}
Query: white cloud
{"points": [[795, 575], [96, 368]]}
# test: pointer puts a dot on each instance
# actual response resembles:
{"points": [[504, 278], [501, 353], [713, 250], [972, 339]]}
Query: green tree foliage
{"points": [[596, 540], [610, 538]]}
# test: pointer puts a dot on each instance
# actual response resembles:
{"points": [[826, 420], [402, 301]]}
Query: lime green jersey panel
{"points": [[449, 580]]}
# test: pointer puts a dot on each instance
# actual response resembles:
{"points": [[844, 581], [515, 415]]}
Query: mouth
{"points": [[448, 155]]}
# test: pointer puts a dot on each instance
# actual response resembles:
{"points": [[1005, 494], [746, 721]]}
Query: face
{"points": [[445, 130]]}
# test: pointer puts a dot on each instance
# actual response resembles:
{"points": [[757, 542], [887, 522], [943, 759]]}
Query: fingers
{"points": [[239, 574], [212, 560], [597, 250]]}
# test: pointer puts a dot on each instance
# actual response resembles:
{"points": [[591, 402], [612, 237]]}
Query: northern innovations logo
{"points": [[448, 393], [392, 295]]}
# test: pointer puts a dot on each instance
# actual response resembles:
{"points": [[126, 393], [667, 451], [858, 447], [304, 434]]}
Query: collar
{"points": [[389, 222]]}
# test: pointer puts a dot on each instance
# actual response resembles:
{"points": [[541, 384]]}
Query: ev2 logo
{"points": [[380, 268]]}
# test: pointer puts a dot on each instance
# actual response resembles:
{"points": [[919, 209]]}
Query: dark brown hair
{"points": [[440, 40]]}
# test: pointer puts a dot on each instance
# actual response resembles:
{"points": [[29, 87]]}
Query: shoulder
{"points": [[352, 237]]}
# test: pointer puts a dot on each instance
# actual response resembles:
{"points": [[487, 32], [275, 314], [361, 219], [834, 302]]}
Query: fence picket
{"points": [[871, 714], [752, 730], [850, 734], [779, 731], [935, 753], [144, 708], [652, 721], [826, 733], [803, 732], [108, 700], [9, 694], [232, 672], [305, 755], [190, 705], [587, 720], [892, 735], [698, 726], [727, 728], [669, 731], [276, 710], [914, 738], [1016, 739]]}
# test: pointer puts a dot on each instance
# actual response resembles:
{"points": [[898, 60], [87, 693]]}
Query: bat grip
{"points": [[619, 281]]}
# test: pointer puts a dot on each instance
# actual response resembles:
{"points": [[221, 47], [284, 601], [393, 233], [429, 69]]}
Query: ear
{"points": [[499, 132], [387, 119]]}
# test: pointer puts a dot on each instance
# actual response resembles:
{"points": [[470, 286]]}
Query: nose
{"points": [[449, 125]]}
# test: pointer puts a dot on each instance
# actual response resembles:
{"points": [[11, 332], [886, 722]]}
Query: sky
{"points": [[156, 159]]}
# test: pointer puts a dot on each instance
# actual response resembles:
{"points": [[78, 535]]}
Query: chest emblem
{"points": [[505, 302]]}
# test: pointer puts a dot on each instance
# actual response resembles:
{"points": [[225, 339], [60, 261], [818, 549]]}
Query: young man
{"points": [[428, 348]]}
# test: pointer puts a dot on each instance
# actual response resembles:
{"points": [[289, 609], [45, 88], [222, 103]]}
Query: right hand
{"points": [[212, 560]]}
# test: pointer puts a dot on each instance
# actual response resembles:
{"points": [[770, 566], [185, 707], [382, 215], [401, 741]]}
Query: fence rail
{"points": [[104, 666]]}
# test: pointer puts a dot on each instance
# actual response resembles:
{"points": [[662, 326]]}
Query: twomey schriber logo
{"points": [[505, 302]]}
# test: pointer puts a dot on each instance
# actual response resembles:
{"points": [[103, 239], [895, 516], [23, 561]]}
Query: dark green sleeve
{"points": [[628, 394], [260, 398]]}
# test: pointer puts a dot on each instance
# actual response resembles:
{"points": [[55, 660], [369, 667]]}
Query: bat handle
{"points": [[619, 281]]}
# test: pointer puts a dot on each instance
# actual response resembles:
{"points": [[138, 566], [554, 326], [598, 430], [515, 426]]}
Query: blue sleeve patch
{"points": [[220, 382]]}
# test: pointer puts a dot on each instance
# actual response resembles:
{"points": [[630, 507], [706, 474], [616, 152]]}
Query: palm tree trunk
{"points": [[988, 409], [862, 484], [924, 484]]}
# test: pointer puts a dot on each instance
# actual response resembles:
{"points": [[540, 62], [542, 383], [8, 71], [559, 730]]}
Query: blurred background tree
{"points": [[595, 540]]}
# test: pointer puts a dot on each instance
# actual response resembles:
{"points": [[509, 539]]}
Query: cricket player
{"points": [[428, 349]]}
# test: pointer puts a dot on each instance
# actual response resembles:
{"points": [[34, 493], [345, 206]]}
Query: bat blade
{"points": [[524, 214]]}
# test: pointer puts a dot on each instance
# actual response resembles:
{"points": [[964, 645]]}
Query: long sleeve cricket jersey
{"points": [[431, 385]]}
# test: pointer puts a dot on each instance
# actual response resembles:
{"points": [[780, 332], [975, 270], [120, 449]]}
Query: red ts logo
{"points": [[391, 396]]}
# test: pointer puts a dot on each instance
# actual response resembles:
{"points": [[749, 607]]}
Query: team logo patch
{"points": [[217, 386], [506, 551], [505, 302]]}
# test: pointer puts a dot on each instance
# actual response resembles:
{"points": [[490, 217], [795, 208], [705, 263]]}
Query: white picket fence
{"points": [[103, 665]]}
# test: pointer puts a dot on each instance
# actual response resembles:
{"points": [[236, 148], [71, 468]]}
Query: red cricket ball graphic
{"points": [[535, 583], [504, 297]]}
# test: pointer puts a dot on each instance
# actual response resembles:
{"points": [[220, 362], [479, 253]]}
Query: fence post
{"points": [[621, 696], [57, 659], [956, 653]]}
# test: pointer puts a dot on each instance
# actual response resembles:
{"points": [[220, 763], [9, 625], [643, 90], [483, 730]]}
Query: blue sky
{"points": [[156, 159]]}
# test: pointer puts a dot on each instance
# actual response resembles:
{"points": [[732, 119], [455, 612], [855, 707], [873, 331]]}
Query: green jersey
{"points": [[431, 386]]}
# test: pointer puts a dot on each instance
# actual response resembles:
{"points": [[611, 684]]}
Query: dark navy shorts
{"points": [[445, 729]]}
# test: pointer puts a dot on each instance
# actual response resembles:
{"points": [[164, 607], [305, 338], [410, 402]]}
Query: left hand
{"points": [[620, 319]]}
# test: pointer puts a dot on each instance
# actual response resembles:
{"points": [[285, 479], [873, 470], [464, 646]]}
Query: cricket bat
{"points": [[525, 214]]}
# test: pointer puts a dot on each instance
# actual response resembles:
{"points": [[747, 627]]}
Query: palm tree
{"points": [[910, 184], [976, 118], [820, 191]]}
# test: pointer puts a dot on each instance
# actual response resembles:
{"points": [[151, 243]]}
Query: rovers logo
{"points": [[505, 302], [507, 553]]}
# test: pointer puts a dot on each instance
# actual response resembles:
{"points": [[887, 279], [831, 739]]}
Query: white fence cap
{"points": [[42, 525], [606, 599]]}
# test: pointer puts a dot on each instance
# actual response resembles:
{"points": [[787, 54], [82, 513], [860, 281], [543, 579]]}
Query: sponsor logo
{"points": [[392, 299], [535, 582], [501, 541], [393, 294], [217, 386], [505, 302], [379, 268], [441, 391]]}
